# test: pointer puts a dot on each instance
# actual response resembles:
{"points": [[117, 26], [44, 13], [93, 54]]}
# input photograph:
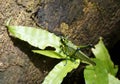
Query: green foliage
{"points": [[104, 71], [96, 74], [36, 37], [41, 38], [60, 71], [113, 80], [49, 53], [102, 54]]}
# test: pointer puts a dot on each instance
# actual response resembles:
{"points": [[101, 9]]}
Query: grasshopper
{"points": [[73, 52]]}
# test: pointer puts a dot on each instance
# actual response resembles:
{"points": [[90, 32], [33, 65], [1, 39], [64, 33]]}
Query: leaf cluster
{"points": [[102, 73]]}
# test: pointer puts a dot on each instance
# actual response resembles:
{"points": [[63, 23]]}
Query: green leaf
{"points": [[113, 80], [102, 54], [60, 71], [99, 74], [49, 53], [96, 74], [36, 37]]}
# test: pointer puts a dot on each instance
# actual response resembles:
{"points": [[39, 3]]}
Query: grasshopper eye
{"points": [[62, 39]]}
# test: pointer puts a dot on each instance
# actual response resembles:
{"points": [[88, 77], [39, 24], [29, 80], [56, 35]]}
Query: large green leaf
{"points": [[60, 71], [96, 74], [102, 54], [99, 74], [36, 37]]}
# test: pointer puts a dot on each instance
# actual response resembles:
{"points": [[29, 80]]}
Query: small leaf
{"points": [[49, 53], [60, 71], [99, 74], [102, 54], [96, 74]]}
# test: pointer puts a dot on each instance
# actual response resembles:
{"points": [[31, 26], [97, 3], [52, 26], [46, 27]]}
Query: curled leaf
{"points": [[36, 37], [57, 74]]}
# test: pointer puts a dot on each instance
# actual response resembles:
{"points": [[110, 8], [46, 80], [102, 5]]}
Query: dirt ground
{"points": [[18, 65], [15, 65]]}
